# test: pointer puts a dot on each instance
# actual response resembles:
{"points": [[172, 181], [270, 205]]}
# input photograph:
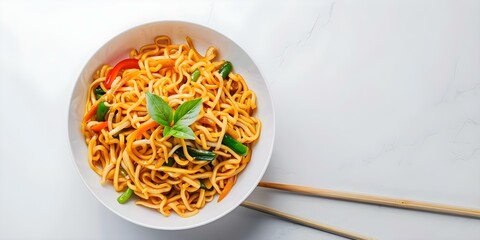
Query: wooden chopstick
{"points": [[304, 222], [378, 200]]}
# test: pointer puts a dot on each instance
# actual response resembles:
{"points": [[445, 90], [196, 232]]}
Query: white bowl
{"points": [[117, 49]]}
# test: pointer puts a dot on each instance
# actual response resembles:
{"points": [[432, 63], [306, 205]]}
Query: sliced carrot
{"points": [[226, 189], [91, 112], [99, 126], [144, 128]]}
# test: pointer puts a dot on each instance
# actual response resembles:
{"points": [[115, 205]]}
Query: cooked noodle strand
{"points": [[131, 150]]}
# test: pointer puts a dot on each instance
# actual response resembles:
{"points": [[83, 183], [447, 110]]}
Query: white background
{"points": [[377, 97]]}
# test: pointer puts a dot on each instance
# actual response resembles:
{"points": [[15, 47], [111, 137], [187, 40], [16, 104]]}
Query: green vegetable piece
{"points": [[235, 145], [101, 111], [125, 130], [195, 75], [125, 196], [169, 163], [159, 110], [197, 154], [225, 69], [123, 172], [202, 186], [99, 92]]}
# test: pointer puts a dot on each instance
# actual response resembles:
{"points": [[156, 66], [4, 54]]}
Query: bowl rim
{"points": [[200, 223]]}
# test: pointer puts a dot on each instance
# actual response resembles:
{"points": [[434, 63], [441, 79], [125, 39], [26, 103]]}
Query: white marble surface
{"points": [[379, 97]]}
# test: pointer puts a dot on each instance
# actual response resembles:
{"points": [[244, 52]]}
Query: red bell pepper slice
{"points": [[122, 65]]}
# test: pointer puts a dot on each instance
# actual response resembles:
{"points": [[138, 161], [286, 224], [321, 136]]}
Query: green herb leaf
{"points": [[179, 131], [163, 114], [159, 110], [167, 131], [187, 112]]}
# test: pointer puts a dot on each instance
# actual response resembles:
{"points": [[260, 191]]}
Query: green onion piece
{"points": [[170, 161], [195, 75], [202, 186], [225, 69], [117, 135], [197, 154], [235, 145], [99, 92], [101, 111], [123, 172], [125, 196]]}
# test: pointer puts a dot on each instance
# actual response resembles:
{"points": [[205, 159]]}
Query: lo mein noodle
{"points": [[130, 150]]}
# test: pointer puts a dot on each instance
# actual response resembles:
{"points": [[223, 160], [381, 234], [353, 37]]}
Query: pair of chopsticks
{"points": [[354, 197], [304, 222]]}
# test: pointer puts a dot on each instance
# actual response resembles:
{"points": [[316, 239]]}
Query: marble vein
{"points": [[395, 146], [210, 12], [282, 56], [459, 93], [468, 156], [465, 123], [309, 33], [449, 84], [330, 12]]}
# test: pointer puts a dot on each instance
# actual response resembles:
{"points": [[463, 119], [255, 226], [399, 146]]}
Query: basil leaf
{"points": [[187, 112], [159, 110], [167, 131], [180, 131]]}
